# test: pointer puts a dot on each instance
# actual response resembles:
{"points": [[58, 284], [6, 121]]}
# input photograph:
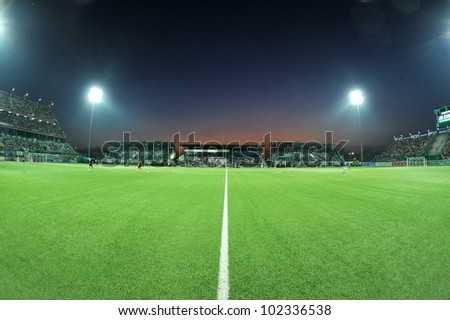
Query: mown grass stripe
{"points": [[223, 288]]}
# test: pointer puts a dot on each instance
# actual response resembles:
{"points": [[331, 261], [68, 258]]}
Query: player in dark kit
{"points": [[139, 167], [91, 167]]}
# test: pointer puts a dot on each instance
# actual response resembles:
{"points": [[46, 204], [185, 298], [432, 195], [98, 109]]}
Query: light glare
{"points": [[356, 97], [95, 95]]}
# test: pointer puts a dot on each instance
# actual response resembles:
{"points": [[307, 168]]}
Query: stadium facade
{"points": [[29, 131]]}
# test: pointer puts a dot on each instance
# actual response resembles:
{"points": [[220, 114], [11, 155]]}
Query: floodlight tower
{"points": [[357, 99], [95, 96]]}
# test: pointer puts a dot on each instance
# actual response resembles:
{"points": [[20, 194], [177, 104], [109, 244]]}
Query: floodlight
{"points": [[356, 97], [95, 95]]}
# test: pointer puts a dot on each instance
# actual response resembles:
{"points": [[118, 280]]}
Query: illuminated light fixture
{"points": [[95, 95], [356, 97]]}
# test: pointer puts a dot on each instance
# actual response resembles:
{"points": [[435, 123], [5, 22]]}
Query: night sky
{"points": [[231, 70]]}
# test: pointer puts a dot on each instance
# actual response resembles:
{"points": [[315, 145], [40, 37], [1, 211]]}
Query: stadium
{"points": [[267, 158], [295, 226]]}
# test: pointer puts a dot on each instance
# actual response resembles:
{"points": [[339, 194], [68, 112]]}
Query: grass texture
{"points": [[373, 233]]}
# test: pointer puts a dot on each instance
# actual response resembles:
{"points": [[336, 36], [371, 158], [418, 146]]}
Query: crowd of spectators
{"points": [[12, 144], [20, 113], [401, 149], [29, 127]]}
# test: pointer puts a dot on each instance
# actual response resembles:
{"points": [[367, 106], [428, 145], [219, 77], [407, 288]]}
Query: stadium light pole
{"points": [[95, 96], [357, 99]]}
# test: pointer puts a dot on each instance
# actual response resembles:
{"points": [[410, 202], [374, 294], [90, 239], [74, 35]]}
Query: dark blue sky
{"points": [[231, 69]]}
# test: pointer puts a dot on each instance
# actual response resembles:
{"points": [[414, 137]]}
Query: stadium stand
{"points": [[439, 146], [432, 146], [156, 153], [304, 155], [403, 148], [29, 131]]}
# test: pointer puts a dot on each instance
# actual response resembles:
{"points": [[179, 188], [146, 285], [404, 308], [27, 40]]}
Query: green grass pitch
{"points": [[373, 233]]}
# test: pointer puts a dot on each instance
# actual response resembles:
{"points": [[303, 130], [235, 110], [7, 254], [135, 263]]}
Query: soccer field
{"points": [[373, 233]]}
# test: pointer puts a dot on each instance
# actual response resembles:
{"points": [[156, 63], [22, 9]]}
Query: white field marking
{"points": [[223, 287]]}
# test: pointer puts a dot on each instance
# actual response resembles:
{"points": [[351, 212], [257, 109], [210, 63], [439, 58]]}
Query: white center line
{"points": [[223, 287]]}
